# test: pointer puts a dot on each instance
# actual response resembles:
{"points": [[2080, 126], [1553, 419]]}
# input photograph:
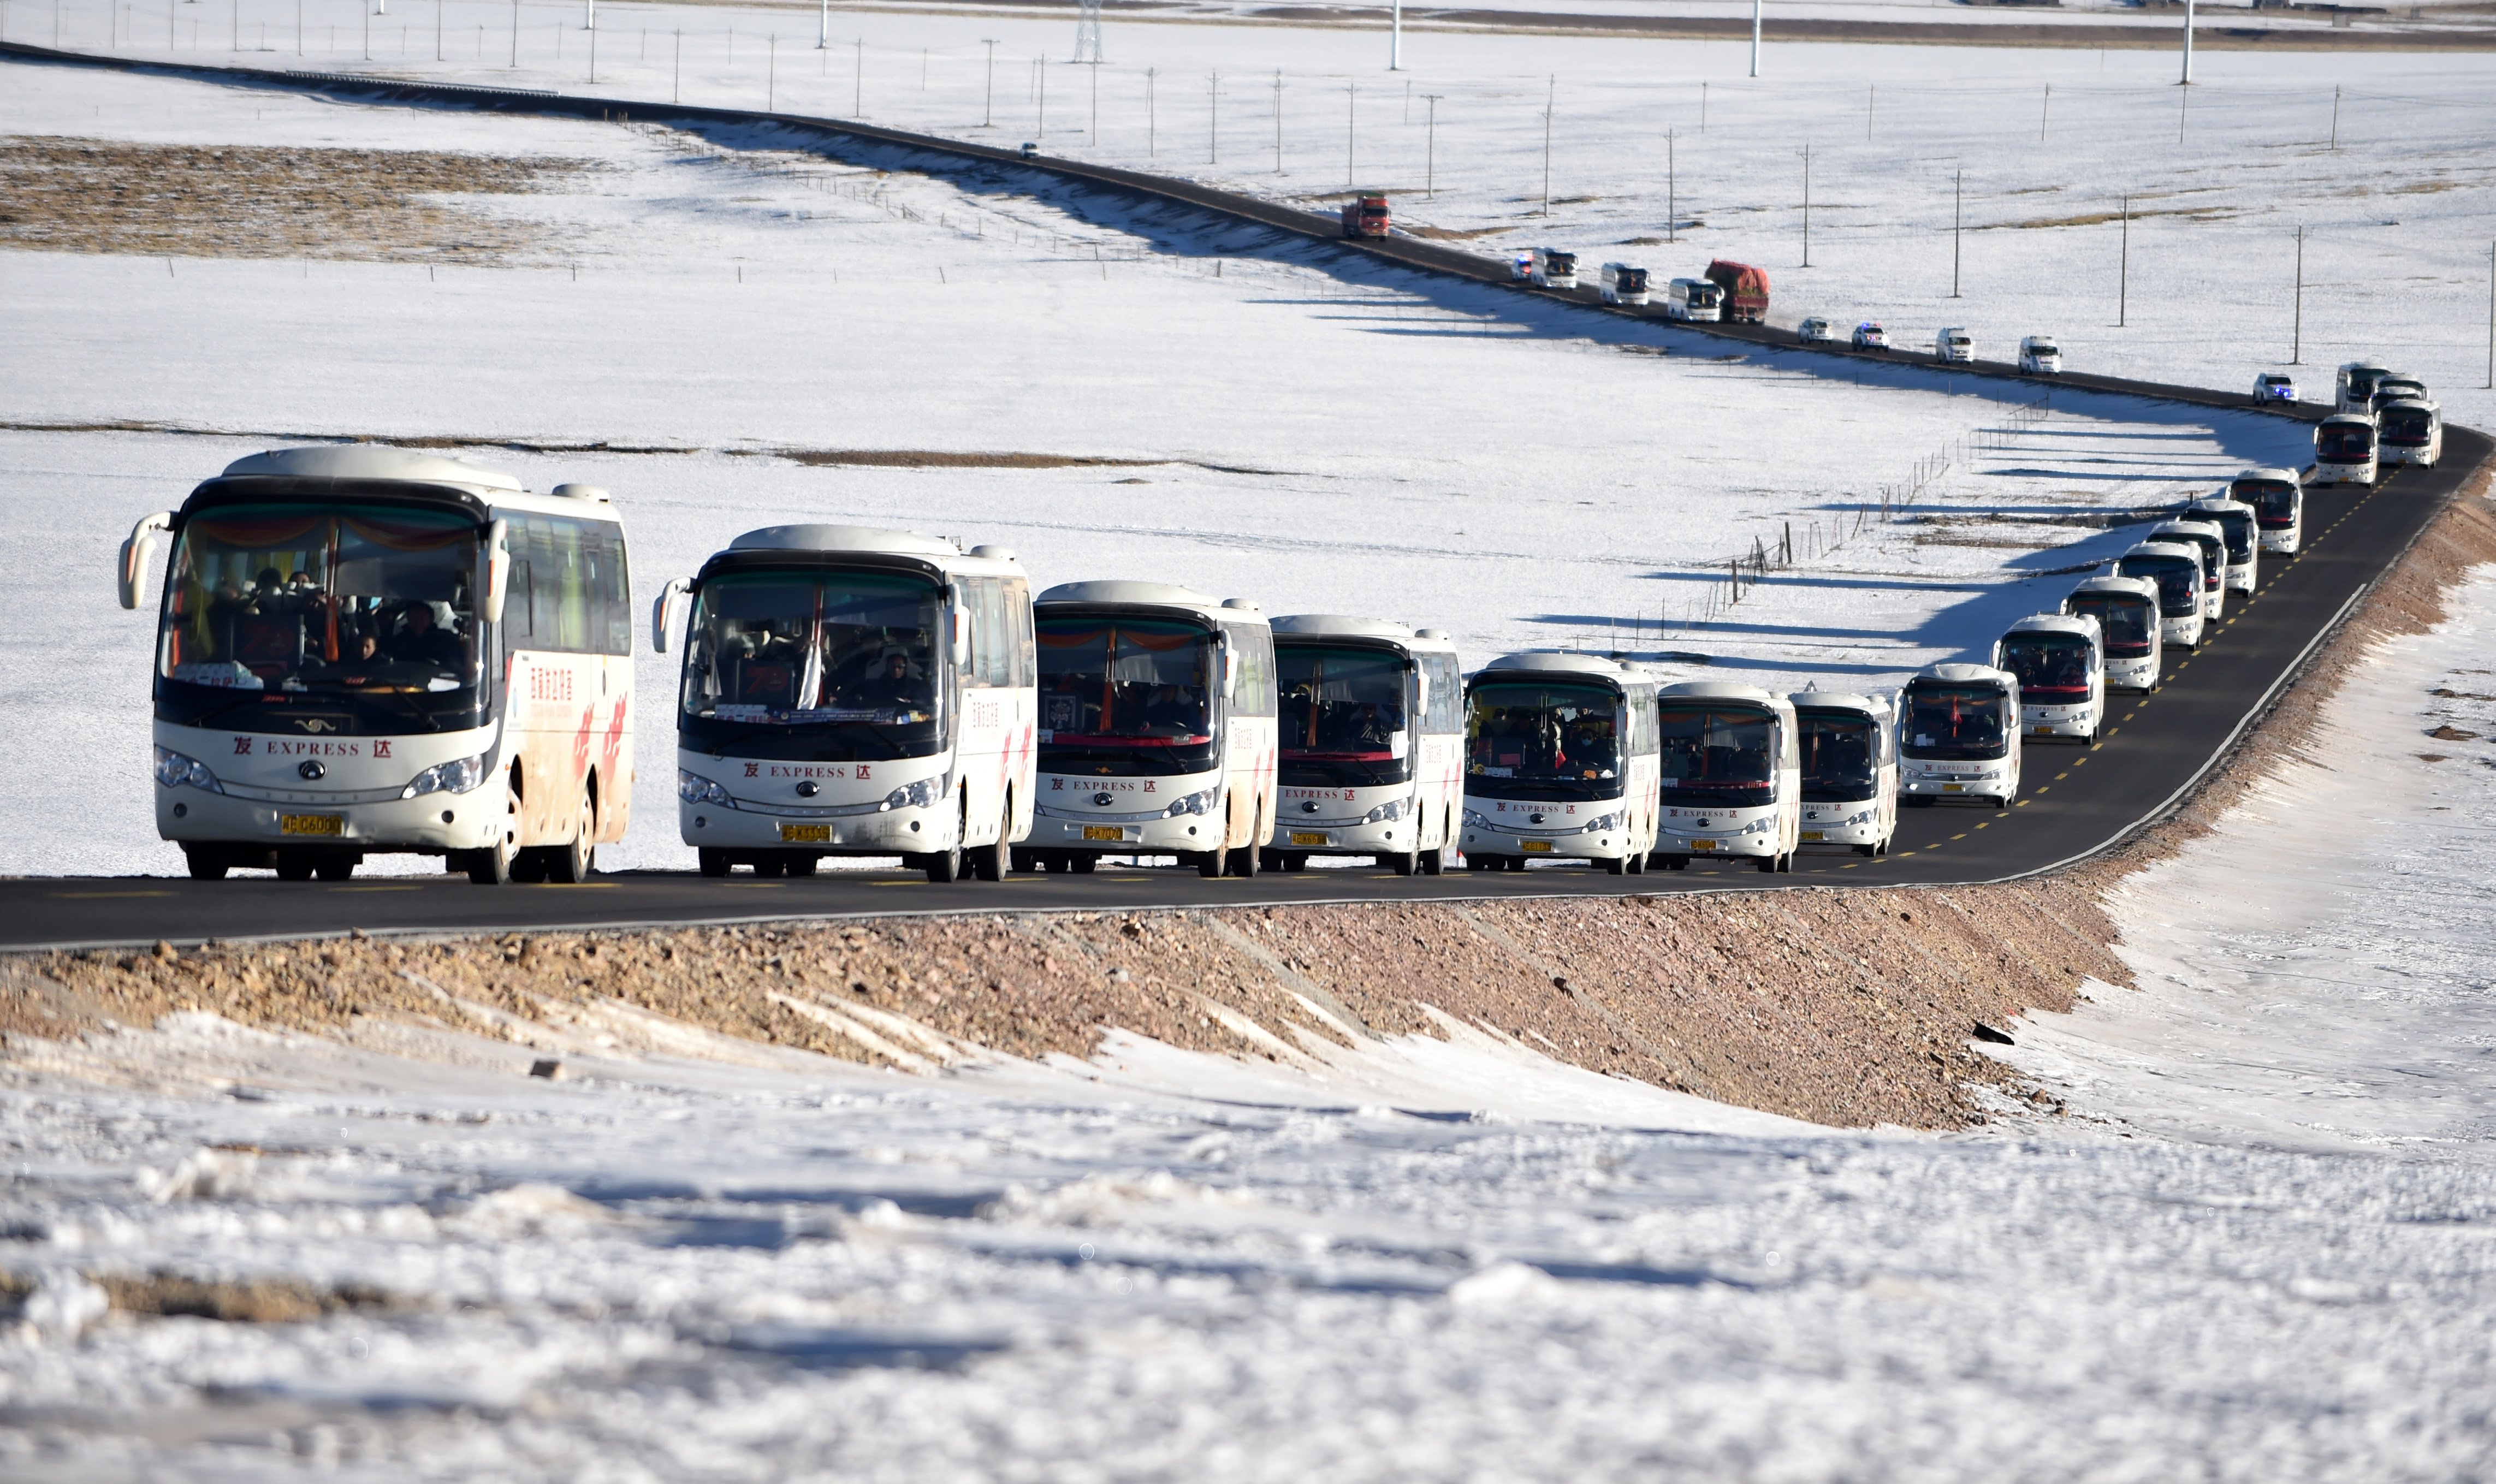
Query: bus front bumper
{"points": [[1608, 840], [430, 823], [905, 831], [1745, 843], [2132, 674], [1991, 783], [1339, 837], [1125, 834], [2058, 721], [1851, 824]]}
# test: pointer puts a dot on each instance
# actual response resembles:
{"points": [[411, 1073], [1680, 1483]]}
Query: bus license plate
{"points": [[1104, 832], [2043, 729], [1953, 788], [1537, 846], [1307, 837], [808, 834], [311, 824], [1814, 834], [1703, 844]]}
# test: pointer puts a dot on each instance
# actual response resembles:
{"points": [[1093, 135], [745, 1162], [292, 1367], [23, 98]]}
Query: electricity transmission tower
{"points": [[1087, 33]]}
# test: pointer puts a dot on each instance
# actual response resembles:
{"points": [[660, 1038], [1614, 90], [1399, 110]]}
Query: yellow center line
{"points": [[2041, 787], [1987, 824], [2059, 776], [89, 896], [2023, 803], [1958, 837]]}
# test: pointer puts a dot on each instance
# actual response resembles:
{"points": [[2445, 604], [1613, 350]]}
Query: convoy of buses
{"points": [[365, 650]]}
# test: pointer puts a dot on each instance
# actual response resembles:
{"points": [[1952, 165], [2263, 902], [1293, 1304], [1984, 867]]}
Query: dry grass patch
{"points": [[194, 201]]}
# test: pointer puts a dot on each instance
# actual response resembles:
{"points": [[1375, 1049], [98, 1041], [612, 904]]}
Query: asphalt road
{"points": [[2073, 801]]}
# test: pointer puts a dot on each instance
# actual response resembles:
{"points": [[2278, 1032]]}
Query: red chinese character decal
{"points": [[242, 747], [381, 748], [753, 769], [862, 772]]}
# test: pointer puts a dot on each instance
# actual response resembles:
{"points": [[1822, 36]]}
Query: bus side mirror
{"points": [[1229, 674], [498, 568], [134, 552], [962, 635], [663, 611]]}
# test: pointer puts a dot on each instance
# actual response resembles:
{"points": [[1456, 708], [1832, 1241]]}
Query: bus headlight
{"points": [[1475, 819], [1202, 802], [1864, 818], [693, 788], [1392, 809], [918, 795], [1603, 825], [1761, 827], [174, 770], [458, 777]]}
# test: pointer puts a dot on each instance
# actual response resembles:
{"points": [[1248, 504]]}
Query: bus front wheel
{"points": [[1409, 864], [571, 862], [712, 863], [206, 863], [1248, 859]]}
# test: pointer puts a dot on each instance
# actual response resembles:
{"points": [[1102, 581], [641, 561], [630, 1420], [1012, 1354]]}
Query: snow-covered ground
{"points": [[2259, 1251]]}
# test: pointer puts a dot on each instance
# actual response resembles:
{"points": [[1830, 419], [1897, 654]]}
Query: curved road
{"points": [[2074, 801]]}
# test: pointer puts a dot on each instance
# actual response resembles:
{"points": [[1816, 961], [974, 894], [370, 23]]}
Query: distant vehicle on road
{"points": [[1731, 779], [2278, 498], [1815, 331], [1694, 299], [1559, 763], [2126, 609], [2411, 432], [1623, 283], [1850, 769], [1953, 343], [2175, 567], [2355, 384], [1030, 150], [1746, 290], [1365, 215], [1958, 735], [2206, 535], [2274, 387], [1371, 728], [854, 691], [1870, 336], [2060, 661], [1546, 267], [2040, 355], [2238, 525], [2389, 389], [2344, 450]]}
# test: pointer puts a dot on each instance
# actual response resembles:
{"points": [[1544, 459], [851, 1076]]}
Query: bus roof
{"points": [[2190, 529], [2054, 623], [2359, 419], [1154, 595], [2128, 587], [2221, 505], [810, 537], [1343, 624], [1718, 690], [2176, 549], [2287, 475], [1838, 700], [369, 461], [1966, 674], [1567, 664]]}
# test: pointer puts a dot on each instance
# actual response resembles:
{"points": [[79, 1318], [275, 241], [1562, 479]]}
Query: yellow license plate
{"points": [[812, 834], [2043, 729], [1953, 788], [1537, 847], [1703, 844], [1812, 834], [1307, 837], [1104, 832], [311, 824]]}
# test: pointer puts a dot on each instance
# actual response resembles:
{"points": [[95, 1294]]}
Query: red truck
{"points": [[1746, 290], [1365, 216]]}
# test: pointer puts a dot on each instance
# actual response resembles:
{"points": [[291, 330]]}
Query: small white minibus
{"points": [[1958, 735], [2237, 527], [2040, 355], [853, 692], [2176, 567], [1848, 746], [1371, 751], [1157, 733], [2278, 498], [1559, 763], [1953, 343], [2060, 662], [2126, 610], [1731, 779], [2344, 450]]}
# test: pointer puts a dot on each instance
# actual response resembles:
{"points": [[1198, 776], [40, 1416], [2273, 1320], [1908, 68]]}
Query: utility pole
{"points": [[1430, 147], [1213, 121], [1351, 115], [1806, 203], [2335, 116], [1871, 101], [2297, 342], [2491, 314], [1395, 47], [1549, 97], [823, 24], [2045, 109], [1040, 73], [988, 110], [1755, 37], [1672, 205], [2123, 271], [676, 88], [516, 34], [772, 72], [858, 81], [1278, 121], [1152, 118], [1703, 108], [2188, 43], [1092, 136], [1956, 218]]}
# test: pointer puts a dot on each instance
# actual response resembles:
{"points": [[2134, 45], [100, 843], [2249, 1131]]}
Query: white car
{"points": [[2040, 355], [2274, 387], [1953, 343], [1815, 331], [1870, 336]]}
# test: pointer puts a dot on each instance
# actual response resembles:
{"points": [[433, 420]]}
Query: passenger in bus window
{"points": [[420, 642], [1173, 710], [895, 683]]}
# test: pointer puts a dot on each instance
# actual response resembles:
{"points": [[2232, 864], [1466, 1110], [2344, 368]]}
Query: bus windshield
{"points": [[2344, 442], [1343, 722], [1705, 296], [2178, 579], [1841, 755], [1948, 721], [2052, 667], [1718, 753], [1543, 740], [812, 665], [361, 616], [2407, 424], [2274, 501], [2237, 528], [2126, 622], [1126, 697]]}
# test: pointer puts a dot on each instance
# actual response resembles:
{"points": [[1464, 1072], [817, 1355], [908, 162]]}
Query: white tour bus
{"points": [[1698, 301], [1156, 728], [2411, 431], [2176, 567], [1371, 741], [2126, 609], [2400, 387], [1623, 283], [2059, 660], [2238, 529], [1559, 763], [2278, 498], [364, 651], [853, 692], [1848, 746], [2344, 450], [1958, 735], [1731, 779], [2211, 541], [2356, 385]]}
